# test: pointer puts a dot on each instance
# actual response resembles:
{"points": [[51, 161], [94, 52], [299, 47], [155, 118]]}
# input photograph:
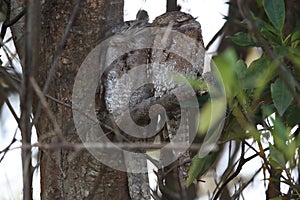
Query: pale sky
{"points": [[208, 12]]}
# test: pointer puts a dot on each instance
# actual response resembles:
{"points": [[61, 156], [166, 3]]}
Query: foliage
{"points": [[263, 94], [263, 98]]}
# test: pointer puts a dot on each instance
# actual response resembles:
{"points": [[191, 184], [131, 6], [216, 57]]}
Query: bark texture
{"points": [[66, 173]]}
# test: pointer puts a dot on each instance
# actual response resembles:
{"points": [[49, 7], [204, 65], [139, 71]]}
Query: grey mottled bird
{"points": [[116, 92], [186, 24]]}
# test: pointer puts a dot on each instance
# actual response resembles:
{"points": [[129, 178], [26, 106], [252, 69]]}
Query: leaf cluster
{"points": [[263, 94]]}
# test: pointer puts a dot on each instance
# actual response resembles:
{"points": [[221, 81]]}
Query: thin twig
{"points": [[6, 149], [56, 57], [105, 145], [232, 176], [58, 101], [16, 19], [12, 110], [46, 107], [7, 23], [218, 34], [4, 27], [240, 190], [9, 55]]}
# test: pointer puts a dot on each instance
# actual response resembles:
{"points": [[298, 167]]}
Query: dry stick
{"points": [[230, 178], [240, 190], [46, 107], [123, 145], [15, 83], [56, 57], [6, 149], [16, 19], [31, 62], [58, 101], [231, 164], [241, 163], [4, 27], [218, 34], [74, 107], [12, 110], [57, 130], [16, 86], [7, 23], [9, 55]]}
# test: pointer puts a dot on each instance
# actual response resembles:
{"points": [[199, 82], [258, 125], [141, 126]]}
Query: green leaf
{"points": [[259, 73], [295, 38], [292, 115], [241, 69], [281, 51], [282, 98], [200, 165], [263, 25], [294, 56], [281, 136], [267, 110], [280, 133], [227, 65], [243, 39], [269, 32], [275, 10], [206, 118], [276, 157]]}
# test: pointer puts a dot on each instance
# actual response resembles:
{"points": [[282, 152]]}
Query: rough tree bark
{"points": [[65, 173]]}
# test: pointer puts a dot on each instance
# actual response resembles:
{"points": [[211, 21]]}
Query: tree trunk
{"points": [[66, 173]]}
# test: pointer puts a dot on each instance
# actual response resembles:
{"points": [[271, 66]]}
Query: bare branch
{"points": [[31, 61], [6, 149], [99, 145], [4, 27], [46, 107], [16, 19], [12, 110]]}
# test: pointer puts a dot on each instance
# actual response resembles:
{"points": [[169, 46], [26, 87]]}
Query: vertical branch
{"points": [[31, 59], [273, 189], [171, 5]]}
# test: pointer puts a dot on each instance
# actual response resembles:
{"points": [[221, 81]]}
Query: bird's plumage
{"points": [[117, 92]]}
